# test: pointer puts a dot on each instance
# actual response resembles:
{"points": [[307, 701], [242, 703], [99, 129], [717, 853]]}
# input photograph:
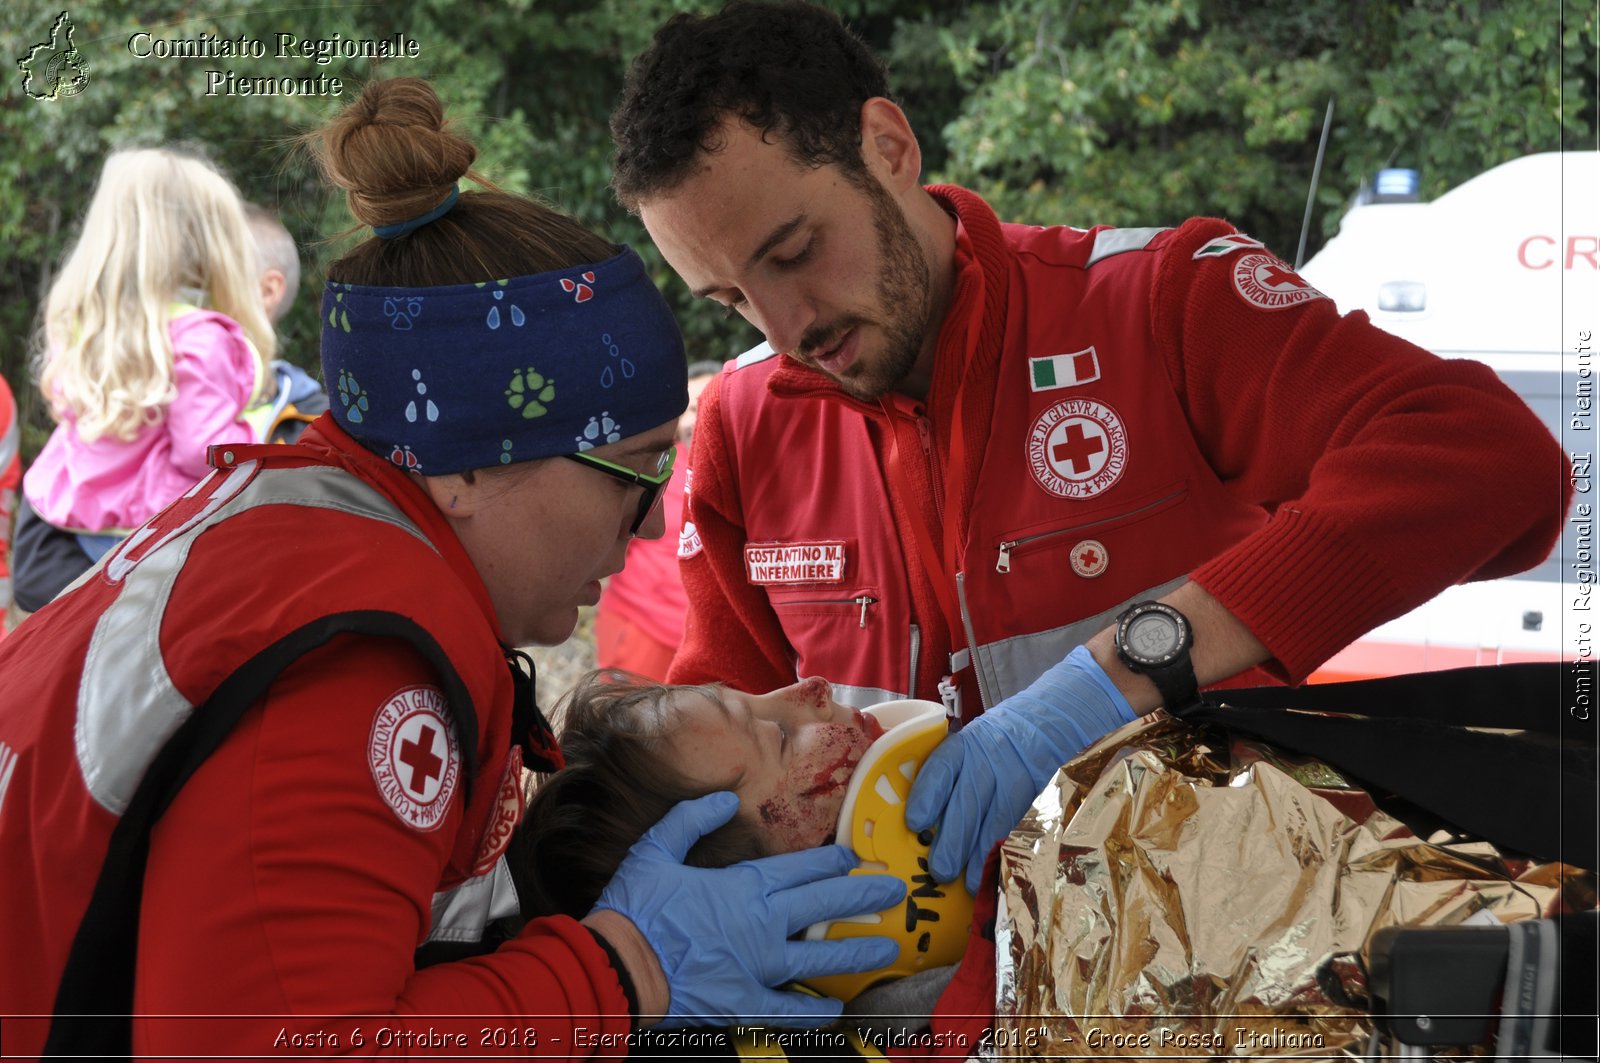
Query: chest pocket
{"points": [[1044, 549], [855, 634], [1058, 579]]}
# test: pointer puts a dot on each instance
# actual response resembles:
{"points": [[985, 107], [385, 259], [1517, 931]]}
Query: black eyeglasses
{"points": [[650, 484]]}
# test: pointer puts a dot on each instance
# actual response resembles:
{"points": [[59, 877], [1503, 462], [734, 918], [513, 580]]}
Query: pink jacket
{"points": [[112, 485], [10, 476]]}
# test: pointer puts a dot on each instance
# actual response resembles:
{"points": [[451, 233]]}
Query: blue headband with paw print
{"points": [[469, 376]]}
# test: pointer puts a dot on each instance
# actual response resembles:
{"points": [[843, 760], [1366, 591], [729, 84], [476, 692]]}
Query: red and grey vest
{"points": [[1091, 493], [149, 660]]}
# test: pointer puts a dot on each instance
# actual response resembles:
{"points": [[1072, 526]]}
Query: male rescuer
{"points": [[1056, 476]]}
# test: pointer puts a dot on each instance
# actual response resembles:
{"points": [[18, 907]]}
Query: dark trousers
{"points": [[44, 559]]}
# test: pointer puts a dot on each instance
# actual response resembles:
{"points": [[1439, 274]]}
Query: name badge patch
{"points": [[822, 561]]}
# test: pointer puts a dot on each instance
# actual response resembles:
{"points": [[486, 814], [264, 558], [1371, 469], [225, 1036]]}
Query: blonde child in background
{"points": [[155, 340]]}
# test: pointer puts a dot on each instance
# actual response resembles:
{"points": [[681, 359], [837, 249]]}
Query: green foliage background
{"points": [[1135, 112]]}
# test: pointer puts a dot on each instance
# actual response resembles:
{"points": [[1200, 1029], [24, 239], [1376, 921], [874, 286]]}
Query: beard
{"points": [[904, 305]]}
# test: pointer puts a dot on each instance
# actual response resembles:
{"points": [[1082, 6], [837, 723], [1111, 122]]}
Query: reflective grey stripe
{"points": [[128, 705], [759, 353], [1115, 241], [866, 697], [463, 912], [328, 488], [1010, 665], [916, 657], [863, 697], [9, 442]]}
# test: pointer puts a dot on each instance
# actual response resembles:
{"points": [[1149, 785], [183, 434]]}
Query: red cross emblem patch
{"points": [[414, 757], [1077, 448], [1089, 558], [1269, 284]]}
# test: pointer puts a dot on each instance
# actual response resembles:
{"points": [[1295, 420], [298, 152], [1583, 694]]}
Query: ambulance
{"points": [[1504, 269]]}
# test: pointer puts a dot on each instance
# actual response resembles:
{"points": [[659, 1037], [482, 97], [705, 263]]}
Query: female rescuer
{"points": [[271, 745]]}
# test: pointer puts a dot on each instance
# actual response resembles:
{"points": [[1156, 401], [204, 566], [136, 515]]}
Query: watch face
{"points": [[1154, 637]]}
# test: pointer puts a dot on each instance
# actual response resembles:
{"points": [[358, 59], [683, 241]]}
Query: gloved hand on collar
{"points": [[722, 935]]}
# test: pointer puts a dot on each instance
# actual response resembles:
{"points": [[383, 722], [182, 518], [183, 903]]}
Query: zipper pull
{"points": [[864, 601], [925, 435], [950, 694], [1003, 565]]}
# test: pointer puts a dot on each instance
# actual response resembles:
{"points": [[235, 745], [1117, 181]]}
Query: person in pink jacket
{"points": [[155, 342], [10, 476]]}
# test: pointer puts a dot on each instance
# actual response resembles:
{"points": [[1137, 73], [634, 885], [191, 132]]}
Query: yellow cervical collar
{"points": [[931, 923]]}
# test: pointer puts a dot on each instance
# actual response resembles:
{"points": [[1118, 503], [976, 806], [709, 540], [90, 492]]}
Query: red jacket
{"points": [[352, 812], [1135, 407], [649, 591]]}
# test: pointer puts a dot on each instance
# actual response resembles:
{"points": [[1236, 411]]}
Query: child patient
{"points": [[634, 749]]}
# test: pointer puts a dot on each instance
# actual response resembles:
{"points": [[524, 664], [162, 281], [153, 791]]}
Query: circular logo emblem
{"points": [[688, 540], [414, 757], [1077, 448], [509, 805], [1089, 558], [1269, 284]]}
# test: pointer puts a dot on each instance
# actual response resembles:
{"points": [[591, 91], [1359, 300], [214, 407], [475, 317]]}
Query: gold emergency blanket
{"points": [[1177, 892]]}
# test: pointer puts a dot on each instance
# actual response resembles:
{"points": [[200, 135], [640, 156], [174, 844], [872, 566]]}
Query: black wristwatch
{"points": [[1153, 639]]}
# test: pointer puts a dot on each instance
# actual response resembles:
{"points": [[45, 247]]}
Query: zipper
{"points": [[863, 600], [1003, 563], [984, 700], [925, 437]]}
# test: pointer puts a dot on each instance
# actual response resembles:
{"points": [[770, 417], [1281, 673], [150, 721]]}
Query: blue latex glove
{"points": [[983, 778], [722, 934]]}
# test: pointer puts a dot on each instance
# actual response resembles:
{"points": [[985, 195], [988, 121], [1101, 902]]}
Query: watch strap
{"points": [[1177, 683]]}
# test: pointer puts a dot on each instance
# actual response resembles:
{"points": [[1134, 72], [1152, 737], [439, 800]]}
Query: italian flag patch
{"points": [[1226, 245], [1063, 370]]}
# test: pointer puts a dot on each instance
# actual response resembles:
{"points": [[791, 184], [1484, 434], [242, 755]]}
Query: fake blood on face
{"points": [[807, 812]]}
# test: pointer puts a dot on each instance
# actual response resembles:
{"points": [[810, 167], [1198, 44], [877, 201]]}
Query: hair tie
{"points": [[389, 232]]}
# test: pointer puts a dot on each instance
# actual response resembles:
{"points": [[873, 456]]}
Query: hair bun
{"points": [[392, 151]]}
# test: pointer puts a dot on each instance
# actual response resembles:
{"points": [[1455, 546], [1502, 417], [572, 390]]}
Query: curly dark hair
{"points": [[791, 69], [583, 819]]}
